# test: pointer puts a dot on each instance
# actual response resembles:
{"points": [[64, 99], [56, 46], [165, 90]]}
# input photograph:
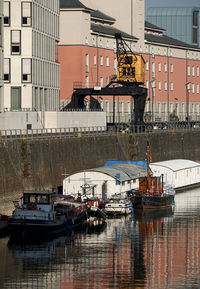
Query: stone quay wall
{"points": [[42, 163]]}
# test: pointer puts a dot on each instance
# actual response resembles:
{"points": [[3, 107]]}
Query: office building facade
{"points": [[1, 56], [87, 55], [181, 23], [31, 70]]}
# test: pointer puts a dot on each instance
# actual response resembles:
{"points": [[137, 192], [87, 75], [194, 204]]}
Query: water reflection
{"points": [[149, 250]]}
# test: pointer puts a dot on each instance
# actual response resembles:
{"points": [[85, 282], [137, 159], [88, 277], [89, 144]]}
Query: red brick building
{"points": [[86, 53]]}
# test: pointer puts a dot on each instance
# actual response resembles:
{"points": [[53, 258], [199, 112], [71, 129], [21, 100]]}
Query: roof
{"points": [[38, 192], [112, 162], [164, 39], [73, 4], [177, 164], [123, 172], [108, 30], [151, 26], [101, 16]]}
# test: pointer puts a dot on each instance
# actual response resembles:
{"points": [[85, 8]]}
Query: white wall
{"points": [[72, 184], [39, 120], [74, 27], [75, 119], [128, 13], [178, 178]]}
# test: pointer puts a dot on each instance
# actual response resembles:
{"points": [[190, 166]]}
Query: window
{"points": [[147, 65], [107, 80], [15, 98], [115, 66], [6, 13], [195, 35], [183, 108], [101, 60], [197, 88], [159, 66], [197, 70], [165, 85], [153, 69], [193, 70], [193, 88], [15, 42], [188, 70], [171, 68], [95, 59], [195, 18], [165, 67], [7, 70], [101, 81], [147, 84], [86, 63], [159, 85], [107, 61], [26, 14], [171, 86], [26, 70], [87, 81]]}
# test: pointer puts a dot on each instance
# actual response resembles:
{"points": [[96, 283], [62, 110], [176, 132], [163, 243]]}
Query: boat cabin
{"points": [[150, 185], [38, 200]]}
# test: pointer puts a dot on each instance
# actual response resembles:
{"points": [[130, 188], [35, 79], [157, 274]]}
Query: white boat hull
{"points": [[118, 208]]}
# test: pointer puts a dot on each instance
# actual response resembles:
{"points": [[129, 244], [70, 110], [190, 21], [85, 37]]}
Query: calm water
{"points": [[159, 250]]}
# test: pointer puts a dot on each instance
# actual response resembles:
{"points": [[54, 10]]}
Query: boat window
{"points": [[32, 198], [26, 199], [43, 199]]}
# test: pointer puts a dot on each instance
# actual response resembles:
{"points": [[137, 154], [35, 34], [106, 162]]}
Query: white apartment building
{"points": [[1, 55], [31, 70]]}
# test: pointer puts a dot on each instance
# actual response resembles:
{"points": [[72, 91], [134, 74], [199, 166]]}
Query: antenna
{"points": [[148, 158]]}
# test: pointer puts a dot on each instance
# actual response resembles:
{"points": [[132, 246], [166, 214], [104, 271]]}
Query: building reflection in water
{"points": [[149, 250]]}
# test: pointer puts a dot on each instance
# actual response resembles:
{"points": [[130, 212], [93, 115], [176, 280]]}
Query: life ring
{"points": [[32, 206]]}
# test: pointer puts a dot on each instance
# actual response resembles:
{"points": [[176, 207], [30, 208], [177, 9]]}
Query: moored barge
{"points": [[152, 193]]}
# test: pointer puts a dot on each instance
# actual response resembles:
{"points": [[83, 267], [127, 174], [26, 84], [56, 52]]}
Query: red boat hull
{"points": [[152, 202]]}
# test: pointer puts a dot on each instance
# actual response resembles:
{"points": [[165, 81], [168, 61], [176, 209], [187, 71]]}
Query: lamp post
{"points": [[187, 101], [152, 93], [176, 106]]}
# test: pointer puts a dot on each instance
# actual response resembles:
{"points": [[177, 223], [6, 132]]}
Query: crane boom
{"points": [[130, 66]]}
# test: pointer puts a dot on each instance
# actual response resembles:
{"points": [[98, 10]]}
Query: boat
{"points": [[3, 222], [118, 206], [152, 192], [35, 211], [76, 213], [95, 210]]}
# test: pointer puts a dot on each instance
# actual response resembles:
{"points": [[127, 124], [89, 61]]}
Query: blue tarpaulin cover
{"points": [[140, 163]]}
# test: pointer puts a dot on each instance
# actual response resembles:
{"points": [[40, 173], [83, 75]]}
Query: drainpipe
{"points": [[97, 45], [168, 85], [131, 17]]}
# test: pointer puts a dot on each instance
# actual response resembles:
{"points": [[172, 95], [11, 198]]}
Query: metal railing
{"points": [[120, 128]]}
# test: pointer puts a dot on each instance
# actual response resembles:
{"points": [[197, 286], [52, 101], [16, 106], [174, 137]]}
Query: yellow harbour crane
{"points": [[130, 66]]}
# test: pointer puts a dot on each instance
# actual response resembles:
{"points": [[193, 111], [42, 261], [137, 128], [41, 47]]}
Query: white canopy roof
{"points": [[177, 164]]}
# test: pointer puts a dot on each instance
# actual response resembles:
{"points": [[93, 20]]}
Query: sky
{"points": [[172, 3]]}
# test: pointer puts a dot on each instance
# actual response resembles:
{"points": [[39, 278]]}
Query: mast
{"points": [[148, 158]]}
